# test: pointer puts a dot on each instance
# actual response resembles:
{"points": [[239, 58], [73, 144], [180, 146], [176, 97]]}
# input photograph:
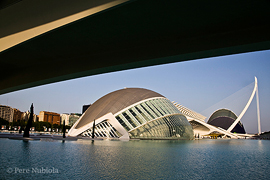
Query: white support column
{"points": [[258, 111]]}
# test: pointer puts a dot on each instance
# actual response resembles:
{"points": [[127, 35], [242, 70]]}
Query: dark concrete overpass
{"points": [[125, 35]]}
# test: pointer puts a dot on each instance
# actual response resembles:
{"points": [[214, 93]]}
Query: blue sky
{"points": [[196, 84]]}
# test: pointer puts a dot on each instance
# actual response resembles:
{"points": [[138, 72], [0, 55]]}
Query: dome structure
{"points": [[114, 102], [133, 113], [224, 118]]}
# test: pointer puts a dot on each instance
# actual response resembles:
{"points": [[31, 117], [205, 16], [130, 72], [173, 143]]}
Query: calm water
{"points": [[83, 159]]}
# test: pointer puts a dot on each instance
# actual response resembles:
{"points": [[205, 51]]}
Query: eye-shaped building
{"points": [[224, 118], [133, 113]]}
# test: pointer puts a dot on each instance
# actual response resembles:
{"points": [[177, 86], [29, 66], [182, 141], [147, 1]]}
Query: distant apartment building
{"points": [[26, 116], [85, 107], [13, 115], [73, 118], [51, 117], [6, 113], [69, 119], [17, 115], [64, 117]]}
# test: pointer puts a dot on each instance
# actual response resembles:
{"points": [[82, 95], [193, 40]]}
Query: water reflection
{"points": [[260, 144], [82, 159], [25, 154]]}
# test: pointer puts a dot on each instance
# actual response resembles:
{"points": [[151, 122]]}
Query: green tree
{"points": [[39, 125], [56, 126]]}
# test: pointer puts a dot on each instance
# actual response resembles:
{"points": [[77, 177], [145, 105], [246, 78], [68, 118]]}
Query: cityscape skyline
{"points": [[196, 84]]}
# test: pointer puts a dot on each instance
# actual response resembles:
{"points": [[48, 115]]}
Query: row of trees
{"points": [[39, 126], [3, 122]]}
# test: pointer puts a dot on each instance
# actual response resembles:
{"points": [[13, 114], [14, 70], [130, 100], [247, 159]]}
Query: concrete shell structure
{"points": [[133, 113], [224, 118]]}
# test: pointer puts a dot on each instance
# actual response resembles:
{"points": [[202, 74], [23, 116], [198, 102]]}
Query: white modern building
{"points": [[133, 113]]}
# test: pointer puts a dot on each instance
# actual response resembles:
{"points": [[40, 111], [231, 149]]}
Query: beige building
{"points": [[69, 119], [6, 113], [17, 115], [51, 117], [26, 116], [13, 115], [65, 117]]}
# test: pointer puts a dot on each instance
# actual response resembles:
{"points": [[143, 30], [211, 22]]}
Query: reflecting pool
{"points": [[144, 159]]}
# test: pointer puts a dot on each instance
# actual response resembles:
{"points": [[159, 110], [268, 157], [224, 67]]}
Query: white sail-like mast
{"points": [[255, 90]]}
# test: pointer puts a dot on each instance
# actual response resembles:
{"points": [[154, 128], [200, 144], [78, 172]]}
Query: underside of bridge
{"points": [[127, 35]]}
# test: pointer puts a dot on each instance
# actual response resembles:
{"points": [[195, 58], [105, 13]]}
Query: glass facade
{"points": [[168, 127], [152, 119], [155, 119]]}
